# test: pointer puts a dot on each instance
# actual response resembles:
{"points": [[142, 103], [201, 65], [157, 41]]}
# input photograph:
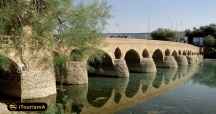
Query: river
{"points": [[188, 90]]}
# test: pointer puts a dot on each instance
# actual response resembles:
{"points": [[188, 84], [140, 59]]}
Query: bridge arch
{"points": [[158, 57], [180, 52], [132, 58], [188, 52], [167, 52], [145, 53], [184, 53], [10, 74], [118, 53], [174, 53], [100, 63]]}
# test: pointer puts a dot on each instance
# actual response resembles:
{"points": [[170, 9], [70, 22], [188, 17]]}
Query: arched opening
{"points": [[184, 53], [174, 54], [158, 57], [132, 58], [201, 51], [167, 52], [188, 53], [145, 53], [118, 53], [10, 78], [100, 64], [180, 52]]}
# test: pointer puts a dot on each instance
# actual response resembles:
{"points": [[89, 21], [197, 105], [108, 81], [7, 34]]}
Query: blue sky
{"points": [[147, 15]]}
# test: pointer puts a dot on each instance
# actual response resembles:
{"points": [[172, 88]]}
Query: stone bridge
{"points": [[121, 56], [32, 74]]}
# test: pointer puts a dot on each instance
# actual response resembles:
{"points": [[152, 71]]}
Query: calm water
{"points": [[189, 90]]}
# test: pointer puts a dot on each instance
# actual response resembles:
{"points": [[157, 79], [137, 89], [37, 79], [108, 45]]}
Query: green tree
{"points": [[202, 31], [209, 41], [76, 24], [82, 25], [164, 34], [39, 15], [55, 23]]}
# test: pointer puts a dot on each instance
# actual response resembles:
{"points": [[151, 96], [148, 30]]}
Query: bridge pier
{"points": [[191, 60], [76, 73], [182, 60], [37, 84], [169, 62], [31, 82], [121, 68], [146, 65], [200, 58]]}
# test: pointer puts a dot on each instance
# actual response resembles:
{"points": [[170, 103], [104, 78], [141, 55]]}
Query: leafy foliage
{"points": [[4, 63], [210, 41], [203, 31], [209, 34], [75, 23], [38, 14], [164, 34], [82, 26]]}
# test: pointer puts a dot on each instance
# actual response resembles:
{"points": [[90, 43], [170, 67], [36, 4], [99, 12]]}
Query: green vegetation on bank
{"points": [[209, 42]]}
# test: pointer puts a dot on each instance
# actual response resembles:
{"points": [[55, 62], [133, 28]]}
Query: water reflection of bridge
{"points": [[110, 95], [117, 94]]}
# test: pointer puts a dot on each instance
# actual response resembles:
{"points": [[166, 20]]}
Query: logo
{"points": [[27, 107]]}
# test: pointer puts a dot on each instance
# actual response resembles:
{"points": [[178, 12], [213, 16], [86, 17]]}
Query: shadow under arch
{"points": [[118, 53], [158, 57], [10, 78], [184, 53], [132, 59], [179, 52], [145, 53], [174, 54], [100, 64], [167, 52], [188, 52]]}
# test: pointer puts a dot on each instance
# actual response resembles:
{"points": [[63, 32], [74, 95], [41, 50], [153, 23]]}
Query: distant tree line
{"points": [[165, 34]]}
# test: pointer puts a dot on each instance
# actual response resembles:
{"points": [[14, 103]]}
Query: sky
{"points": [[137, 16]]}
